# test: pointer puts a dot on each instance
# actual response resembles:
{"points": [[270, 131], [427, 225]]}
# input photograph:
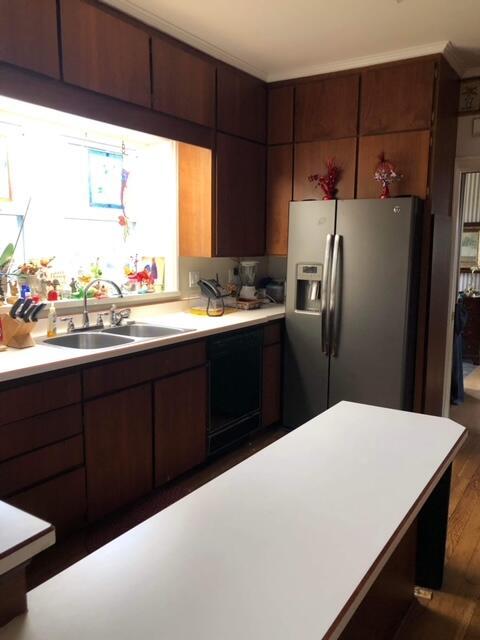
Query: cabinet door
{"points": [[180, 423], [183, 83], [310, 158], [280, 115], [397, 98], [118, 449], [28, 35], [105, 54], [241, 104], [272, 384], [326, 109], [240, 215], [409, 151], [279, 194]]}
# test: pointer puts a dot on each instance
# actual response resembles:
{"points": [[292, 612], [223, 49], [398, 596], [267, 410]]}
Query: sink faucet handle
{"points": [[100, 316], [70, 325]]}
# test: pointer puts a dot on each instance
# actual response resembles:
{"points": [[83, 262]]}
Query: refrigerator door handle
{"points": [[325, 294], [333, 305]]}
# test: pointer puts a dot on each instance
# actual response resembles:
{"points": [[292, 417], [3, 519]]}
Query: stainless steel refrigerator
{"points": [[351, 304]]}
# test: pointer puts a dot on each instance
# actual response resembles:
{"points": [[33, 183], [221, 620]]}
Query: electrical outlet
{"points": [[193, 278]]}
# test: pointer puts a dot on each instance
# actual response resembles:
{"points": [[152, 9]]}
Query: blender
{"points": [[248, 273]]}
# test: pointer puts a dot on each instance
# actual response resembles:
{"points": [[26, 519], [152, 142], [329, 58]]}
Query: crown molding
{"points": [[361, 61], [152, 19], [455, 58]]}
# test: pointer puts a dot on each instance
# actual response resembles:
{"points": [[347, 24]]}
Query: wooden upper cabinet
{"points": [[28, 35], [241, 104], [409, 151], [397, 98], [105, 54], [279, 194], [326, 109], [183, 83], [310, 158], [240, 184], [280, 115]]}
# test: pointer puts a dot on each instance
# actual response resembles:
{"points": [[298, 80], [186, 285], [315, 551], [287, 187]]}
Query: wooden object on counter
{"points": [[16, 333], [22, 536]]}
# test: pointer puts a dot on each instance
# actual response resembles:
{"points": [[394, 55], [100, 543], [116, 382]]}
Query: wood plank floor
{"points": [[454, 612]]}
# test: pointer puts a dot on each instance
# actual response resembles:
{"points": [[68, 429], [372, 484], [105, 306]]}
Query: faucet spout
{"points": [[86, 320]]}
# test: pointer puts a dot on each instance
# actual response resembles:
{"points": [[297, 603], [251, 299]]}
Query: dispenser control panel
{"points": [[309, 272]]}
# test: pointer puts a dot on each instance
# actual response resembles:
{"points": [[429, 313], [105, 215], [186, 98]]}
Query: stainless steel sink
{"points": [[143, 330], [88, 340]]}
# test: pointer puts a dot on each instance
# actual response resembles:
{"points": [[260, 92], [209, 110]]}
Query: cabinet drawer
{"points": [[33, 398], [26, 470], [121, 374], [26, 435], [61, 501], [272, 333]]}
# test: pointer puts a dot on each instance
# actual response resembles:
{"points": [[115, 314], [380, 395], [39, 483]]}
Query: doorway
{"points": [[462, 389]]}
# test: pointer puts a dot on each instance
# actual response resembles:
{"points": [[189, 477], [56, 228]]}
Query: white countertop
{"points": [[274, 549], [16, 363], [22, 536]]}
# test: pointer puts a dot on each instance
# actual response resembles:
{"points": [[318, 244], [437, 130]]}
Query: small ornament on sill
{"points": [[328, 182], [385, 174]]}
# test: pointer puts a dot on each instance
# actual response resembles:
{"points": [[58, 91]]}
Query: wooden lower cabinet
{"points": [[61, 501], [118, 449], [180, 423], [272, 384]]}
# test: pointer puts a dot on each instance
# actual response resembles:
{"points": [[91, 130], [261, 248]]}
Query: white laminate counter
{"points": [[18, 363], [22, 536], [281, 547]]}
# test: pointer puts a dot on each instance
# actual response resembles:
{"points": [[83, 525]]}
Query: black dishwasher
{"points": [[235, 386]]}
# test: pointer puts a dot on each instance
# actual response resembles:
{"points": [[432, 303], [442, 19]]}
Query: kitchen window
{"points": [[82, 198]]}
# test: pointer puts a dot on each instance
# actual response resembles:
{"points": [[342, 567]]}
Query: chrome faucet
{"points": [[86, 321]]}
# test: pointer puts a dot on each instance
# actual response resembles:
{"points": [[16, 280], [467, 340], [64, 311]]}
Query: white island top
{"points": [[282, 546]]}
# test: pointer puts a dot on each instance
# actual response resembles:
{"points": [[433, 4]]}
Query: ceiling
{"points": [[279, 39]]}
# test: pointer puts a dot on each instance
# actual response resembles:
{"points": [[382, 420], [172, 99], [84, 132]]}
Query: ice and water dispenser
{"points": [[309, 287]]}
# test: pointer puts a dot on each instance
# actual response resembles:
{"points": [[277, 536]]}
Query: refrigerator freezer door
{"points": [[306, 367], [375, 312]]}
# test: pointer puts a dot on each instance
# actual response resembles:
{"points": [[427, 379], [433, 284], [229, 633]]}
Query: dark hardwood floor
{"points": [[79, 545]]}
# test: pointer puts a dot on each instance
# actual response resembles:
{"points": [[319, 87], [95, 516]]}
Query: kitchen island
{"points": [[288, 544]]}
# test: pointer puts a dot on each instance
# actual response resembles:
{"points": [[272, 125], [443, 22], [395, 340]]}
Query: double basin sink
{"points": [[114, 336]]}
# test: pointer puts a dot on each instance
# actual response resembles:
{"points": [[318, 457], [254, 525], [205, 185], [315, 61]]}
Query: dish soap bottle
{"points": [[52, 322]]}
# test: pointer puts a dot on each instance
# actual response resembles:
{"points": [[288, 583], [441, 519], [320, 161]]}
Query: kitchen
{"points": [[125, 404]]}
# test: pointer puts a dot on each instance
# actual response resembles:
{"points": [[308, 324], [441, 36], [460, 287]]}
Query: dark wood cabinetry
{"points": [[280, 115], [471, 334], [28, 35], [240, 211], [104, 53], [279, 194], [326, 108], [310, 158], [397, 98], [410, 152], [241, 104], [272, 385], [180, 423], [183, 83], [118, 449]]}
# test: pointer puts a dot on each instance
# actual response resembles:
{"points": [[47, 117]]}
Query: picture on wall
{"points": [[105, 178], [469, 252], [469, 95], [5, 185]]}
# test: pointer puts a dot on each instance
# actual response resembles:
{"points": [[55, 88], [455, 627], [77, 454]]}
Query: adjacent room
{"points": [[239, 320]]}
